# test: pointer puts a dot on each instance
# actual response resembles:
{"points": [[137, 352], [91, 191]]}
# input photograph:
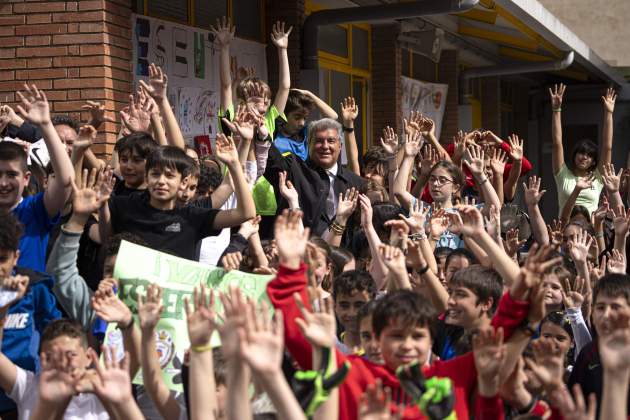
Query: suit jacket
{"points": [[312, 184]]}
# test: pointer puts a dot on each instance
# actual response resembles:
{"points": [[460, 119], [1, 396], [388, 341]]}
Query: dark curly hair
{"points": [[10, 232]]}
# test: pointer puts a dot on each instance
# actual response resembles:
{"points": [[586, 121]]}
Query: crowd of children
{"points": [[407, 284]]}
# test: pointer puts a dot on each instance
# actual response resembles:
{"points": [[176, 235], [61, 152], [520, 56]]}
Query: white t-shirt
{"points": [[25, 392]]}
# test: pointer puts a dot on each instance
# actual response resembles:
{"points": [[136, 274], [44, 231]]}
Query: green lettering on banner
{"points": [[137, 267]]}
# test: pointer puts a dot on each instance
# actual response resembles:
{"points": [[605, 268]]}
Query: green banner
{"points": [[137, 267]]}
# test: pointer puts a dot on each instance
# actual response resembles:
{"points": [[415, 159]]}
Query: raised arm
{"points": [[156, 87], [35, 108], [557, 150], [533, 195], [87, 135], [345, 209], [8, 371], [280, 39], [497, 165], [223, 35], [245, 208], [427, 129], [98, 116], [378, 269], [605, 152], [349, 112], [516, 153], [324, 109], [389, 143], [411, 149], [612, 183], [474, 160], [614, 351], [582, 183]]}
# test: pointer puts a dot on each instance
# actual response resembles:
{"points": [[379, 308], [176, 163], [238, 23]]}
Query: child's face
{"points": [[347, 307], [375, 171], [464, 308], [441, 186], [12, 183], [401, 344], [163, 184], [8, 260], [75, 358], [369, 343], [553, 290], [605, 309], [187, 190], [455, 264], [261, 105], [296, 121], [322, 268], [132, 168], [558, 336]]}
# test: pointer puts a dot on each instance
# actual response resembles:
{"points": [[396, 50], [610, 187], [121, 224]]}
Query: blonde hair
{"points": [[251, 87]]}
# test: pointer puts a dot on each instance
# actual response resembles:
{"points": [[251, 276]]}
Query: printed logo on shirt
{"points": [[173, 227], [16, 321]]}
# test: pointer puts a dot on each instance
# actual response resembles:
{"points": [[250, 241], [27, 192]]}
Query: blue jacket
{"points": [[25, 322]]}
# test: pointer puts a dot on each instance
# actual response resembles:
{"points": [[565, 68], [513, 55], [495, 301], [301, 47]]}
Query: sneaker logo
{"points": [[173, 227]]}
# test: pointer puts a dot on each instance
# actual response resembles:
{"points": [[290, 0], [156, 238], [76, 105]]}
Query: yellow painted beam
{"points": [[498, 37], [523, 55], [528, 31], [480, 15]]}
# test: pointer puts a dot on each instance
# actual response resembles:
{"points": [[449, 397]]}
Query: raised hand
{"points": [[417, 217], [288, 191], [17, 283], [318, 324], [113, 384], [137, 116], [555, 231], [366, 211], [150, 308], [595, 272], [250, 227], [412, 145], [511, 243], [389, 141], [602, 211], [290, 238], [347, 205], [474, 160], [244, 122], [8, 116], [55, 384], [609, 100], [621, 221], [223, 32], [34, 105], [110, 308], [498, 161], [585, 182], [616, 262], [489, 352], [614, 342], [472, 220], [349, 110], [201, 320], [375, 402], [573, 406], [556, 96], [232, 261], [279, 36], [158, 82], [538, 262], [516, 147], [532, 191], [438, 223], [90, 195], [493, 221], [573, 296], [97, 112], [427, 127], [226, 150], [429, 157], [262, 339], [87, 135], [234, 318], [394, 259], [611, 180], [548, 367], [579, 245]]}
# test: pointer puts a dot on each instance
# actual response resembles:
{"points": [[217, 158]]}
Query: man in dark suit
{"points": [[319, 180]]}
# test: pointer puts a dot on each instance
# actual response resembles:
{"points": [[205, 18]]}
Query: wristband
{"points": [[348, 129], [559, 109], [418, 236], [530, 330], [126, 327], [423, 269], [599, 234], [202, 349]]}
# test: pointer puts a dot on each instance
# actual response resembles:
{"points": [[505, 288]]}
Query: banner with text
{"points": [[427, 98]]}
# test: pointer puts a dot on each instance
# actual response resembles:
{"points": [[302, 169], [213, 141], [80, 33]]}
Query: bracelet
{"points": [[347, 129], [559, 109], [529, 330], [599, 234], [201, 349], [337, 228], [295, 209], [126, 327], [418, 236], [423, 269], [483, 181]]}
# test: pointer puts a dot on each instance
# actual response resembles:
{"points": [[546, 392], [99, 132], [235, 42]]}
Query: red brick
{"points": [[7, 31], [49, 6], [91, 27], [56, 95], [13, 41], [6, 9], [78, 17], [74, 94], [73, 28], [38, 40], [79, 61], [7, 97], [41, 18], [71, 6], [13, 85], [42, 29], [12, 20], [83, 83], [36, 63], [78, 39], [73, 72], [42, 52], [41, 84], [7, 52], [91, 5], [7, 75], [68, 106], [73, 50], [41, 74], [12, 64]]}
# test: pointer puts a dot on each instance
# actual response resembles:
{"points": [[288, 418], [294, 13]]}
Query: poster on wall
{"points": [[191, 61], [427, 98]]}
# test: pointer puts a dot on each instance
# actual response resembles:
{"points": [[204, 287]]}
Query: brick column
{"points": [[447, 73], [491, 104], [74, 50], [292, 13], [386, 83]]}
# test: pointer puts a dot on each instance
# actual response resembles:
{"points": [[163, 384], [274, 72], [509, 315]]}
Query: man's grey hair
{"points": [[322, 125]]}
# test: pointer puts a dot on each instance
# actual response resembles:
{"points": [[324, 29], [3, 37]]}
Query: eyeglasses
{"points": [[439, 180]]}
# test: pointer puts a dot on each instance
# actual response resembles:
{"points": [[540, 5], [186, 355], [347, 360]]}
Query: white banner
{"points": [[427, 98], [191, 62]]}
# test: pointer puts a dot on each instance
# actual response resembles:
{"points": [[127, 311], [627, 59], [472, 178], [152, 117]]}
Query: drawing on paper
{"points": [[159, 42]]}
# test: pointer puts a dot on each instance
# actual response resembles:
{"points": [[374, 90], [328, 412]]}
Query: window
{"points": [[207, 12], [175, 10], [360, 48], [333, 39], [246, 15]]}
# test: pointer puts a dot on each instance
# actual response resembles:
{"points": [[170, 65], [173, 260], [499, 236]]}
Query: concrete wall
{"points": [[602, 24]]}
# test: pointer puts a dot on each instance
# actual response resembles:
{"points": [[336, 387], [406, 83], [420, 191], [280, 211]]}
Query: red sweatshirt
{"points": [[526, 166], [461, 370]]}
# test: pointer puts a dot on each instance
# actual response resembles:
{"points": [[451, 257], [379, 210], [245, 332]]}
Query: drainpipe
{"points": [[383, 12], [519, 68]]}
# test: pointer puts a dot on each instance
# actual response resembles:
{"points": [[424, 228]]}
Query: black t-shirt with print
{"points": [[176, 231]]}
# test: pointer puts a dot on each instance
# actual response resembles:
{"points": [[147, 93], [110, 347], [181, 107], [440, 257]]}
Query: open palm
{"points": [[318, 327], [34, 106]]}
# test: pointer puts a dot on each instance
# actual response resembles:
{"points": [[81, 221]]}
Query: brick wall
{"points": [[73, 50], [447, 73], [386, 83], [292, 13]]}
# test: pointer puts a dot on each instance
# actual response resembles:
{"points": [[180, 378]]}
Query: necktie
{"points": [[330, 200]]}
